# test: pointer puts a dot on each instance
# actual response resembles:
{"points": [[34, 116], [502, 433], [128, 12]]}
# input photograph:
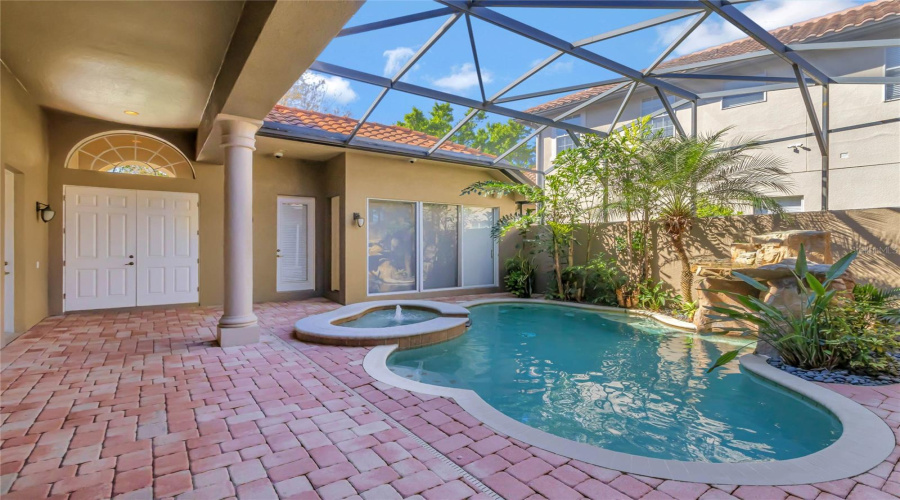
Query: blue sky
{"points": [[448, 66]]}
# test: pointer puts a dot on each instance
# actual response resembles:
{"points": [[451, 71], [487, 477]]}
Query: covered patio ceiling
{"points": [[671, 83]]}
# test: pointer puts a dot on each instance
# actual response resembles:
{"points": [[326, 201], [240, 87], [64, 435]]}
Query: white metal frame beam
{"points": [[561, 45], [409, 88]]}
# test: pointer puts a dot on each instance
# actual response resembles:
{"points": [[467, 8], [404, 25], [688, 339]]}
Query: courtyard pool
{"points": [[621, 383]]}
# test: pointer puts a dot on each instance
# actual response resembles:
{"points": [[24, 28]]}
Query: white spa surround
{"points": [[326, 326], [864, 443]]}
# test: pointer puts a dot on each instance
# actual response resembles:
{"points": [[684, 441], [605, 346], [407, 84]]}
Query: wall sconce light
{"points": [[45, 211], [359, 219]]}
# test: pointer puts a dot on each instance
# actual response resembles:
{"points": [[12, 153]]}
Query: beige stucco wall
{"points": [[353, 176], [393, 178], [875, 233], [864, 127], [271, 178], [23, 151], [284, 177]]}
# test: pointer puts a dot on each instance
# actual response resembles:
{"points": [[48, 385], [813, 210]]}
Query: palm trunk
{"points": [[687, 278]]}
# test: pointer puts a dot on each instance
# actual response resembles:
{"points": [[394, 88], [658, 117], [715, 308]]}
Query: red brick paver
{"points": [[144, 404]]}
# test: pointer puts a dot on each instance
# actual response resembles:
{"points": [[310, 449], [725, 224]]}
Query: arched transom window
{"points": [[130, 153]]}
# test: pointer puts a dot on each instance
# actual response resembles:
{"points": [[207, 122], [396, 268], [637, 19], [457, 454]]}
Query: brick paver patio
{"points": [[143, 404]]}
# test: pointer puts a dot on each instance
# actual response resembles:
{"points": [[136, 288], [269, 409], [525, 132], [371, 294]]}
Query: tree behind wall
{"points": [[310, 93], [493, 138]]}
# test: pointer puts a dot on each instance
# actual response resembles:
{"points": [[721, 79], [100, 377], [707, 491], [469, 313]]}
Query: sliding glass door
{"points": [[392, 246], [417, 246]]}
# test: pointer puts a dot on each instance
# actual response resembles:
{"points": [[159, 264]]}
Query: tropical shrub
{"points": [[830, 331], [655, 297], [519, 278], [688, 309], [859, 338], [888, 301]]}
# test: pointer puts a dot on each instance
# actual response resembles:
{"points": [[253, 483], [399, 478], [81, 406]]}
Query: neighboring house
{"points": [[864, 160]]}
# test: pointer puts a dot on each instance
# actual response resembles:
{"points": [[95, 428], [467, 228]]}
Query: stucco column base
{"points": [[231, 337]]}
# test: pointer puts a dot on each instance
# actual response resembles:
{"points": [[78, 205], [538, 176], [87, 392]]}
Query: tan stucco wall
{"points": [[23, 150], [875, 233], [271, 178], [284, 177], [393, 178], [335, 184]]}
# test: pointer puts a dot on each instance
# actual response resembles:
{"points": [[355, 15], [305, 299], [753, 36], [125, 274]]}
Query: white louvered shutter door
{"points": [[295, 244]]}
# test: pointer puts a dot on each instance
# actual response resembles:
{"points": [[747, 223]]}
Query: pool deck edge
{"points": [[865, 442]]}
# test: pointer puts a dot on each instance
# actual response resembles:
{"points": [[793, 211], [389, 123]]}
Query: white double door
{"points": [[126, 248]]}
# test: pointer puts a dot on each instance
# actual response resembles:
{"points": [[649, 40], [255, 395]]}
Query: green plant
{"points": [[703, 175], [859, 337], [808, 339], [688, 308], [888, 300], [519, 278], [655, 297]]}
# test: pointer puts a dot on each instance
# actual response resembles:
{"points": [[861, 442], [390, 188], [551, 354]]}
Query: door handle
{"points": [[130, 264]]}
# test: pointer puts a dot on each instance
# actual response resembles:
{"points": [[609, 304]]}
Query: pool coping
{"points": [[866, 440], [321, 328]]}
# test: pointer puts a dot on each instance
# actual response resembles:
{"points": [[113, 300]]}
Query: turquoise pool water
{"points": [[622, 383], [384, 318]]}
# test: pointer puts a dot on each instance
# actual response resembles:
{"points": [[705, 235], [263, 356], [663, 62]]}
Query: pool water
{"points": [[384, 318], [622, 383]]}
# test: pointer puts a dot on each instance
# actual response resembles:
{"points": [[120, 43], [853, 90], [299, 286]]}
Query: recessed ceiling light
{"points": [[132, 113]]}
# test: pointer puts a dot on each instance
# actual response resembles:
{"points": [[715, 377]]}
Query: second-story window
{"points": [[892, 68], [734, 101], [563, 139], [661, 124]]}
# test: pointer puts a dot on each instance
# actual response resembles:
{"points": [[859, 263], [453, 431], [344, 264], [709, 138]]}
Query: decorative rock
{"points": [[707, 295], [776, 247], [837, 376]]}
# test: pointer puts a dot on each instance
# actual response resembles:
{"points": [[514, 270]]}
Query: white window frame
{"points": [[560, 133], [310, 283], [420, 282], [778, 199], [668, 128], [732, 85], [887, 52]]}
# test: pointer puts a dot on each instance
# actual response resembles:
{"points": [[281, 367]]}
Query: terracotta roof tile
{"points": [[795, 33], [371, 130]]}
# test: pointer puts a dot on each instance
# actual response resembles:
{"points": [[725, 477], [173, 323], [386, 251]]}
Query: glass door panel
{"points": [[478, 246], [392, 246], [440, 246]]}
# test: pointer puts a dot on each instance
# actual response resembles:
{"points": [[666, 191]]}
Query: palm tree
{"points": [[704, 171]]}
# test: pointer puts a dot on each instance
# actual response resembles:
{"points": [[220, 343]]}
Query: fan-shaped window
{"points": [[130, 153]]}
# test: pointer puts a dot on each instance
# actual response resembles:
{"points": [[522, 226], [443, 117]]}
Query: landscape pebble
{"points": [[837, 376]]}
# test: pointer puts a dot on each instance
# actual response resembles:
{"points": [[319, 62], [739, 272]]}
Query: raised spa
{"points": [[407, 323], [390, 317], [622, 383]]}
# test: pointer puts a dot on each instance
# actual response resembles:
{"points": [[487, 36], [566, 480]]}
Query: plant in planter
{"points": [[829, 331]]}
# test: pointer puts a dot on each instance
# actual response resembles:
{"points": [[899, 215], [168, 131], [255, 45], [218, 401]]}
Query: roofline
{"points": [[278, 130], [741, 57]]}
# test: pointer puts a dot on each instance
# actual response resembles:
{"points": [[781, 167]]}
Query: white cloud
{"points": [[462, 78], [769, 14], [337, 89], [396, 58], [555, 67]]}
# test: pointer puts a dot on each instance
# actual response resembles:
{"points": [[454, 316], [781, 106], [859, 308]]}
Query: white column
{"points": [[238, 323]]}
